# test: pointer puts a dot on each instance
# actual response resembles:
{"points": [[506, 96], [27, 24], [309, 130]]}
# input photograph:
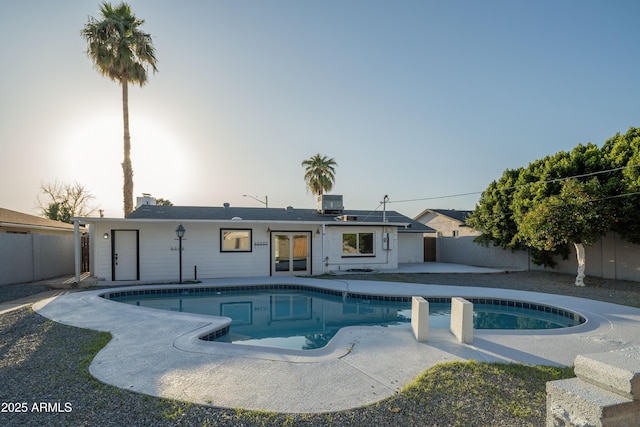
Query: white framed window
{"points": [[235, 240], [357, 244]]}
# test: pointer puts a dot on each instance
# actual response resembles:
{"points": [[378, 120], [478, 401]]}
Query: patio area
{"points": [[157, 352]]}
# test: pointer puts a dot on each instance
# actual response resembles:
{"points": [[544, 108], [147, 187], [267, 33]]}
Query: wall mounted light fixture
{"points": [[105, 236]]}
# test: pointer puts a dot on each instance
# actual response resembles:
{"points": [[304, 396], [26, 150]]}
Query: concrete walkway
{"points": [[157, 352], [59, 286]]}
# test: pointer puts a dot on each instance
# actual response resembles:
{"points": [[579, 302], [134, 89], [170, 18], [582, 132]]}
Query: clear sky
{"points": [[414, 99]]}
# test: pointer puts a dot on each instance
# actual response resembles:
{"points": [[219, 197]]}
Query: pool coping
{"points": [[157, 352], [335, 348]]}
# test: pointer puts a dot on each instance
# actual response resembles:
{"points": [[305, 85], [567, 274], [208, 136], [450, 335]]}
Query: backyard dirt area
{"points": [[614, 291]]}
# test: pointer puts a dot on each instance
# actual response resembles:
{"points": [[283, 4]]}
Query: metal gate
{"points": [[84, 244], [429, 249]]}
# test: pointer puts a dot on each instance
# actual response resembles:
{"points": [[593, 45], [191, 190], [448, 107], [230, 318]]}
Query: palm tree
{"points": [[319, 173], [120, 51]]}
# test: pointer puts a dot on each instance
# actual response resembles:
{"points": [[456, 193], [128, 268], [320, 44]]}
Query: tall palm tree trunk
{"points": [[127, 170]]}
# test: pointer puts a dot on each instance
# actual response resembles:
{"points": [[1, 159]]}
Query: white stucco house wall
{"points": [[230, 241]]}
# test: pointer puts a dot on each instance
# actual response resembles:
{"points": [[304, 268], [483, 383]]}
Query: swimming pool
{"points": [[304, 317]]}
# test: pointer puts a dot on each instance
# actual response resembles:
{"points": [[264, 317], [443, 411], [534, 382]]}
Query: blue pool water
{"points": [[295, 318]]}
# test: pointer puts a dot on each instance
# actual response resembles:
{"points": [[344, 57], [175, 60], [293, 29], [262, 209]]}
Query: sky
{"points": [[418, 100]]}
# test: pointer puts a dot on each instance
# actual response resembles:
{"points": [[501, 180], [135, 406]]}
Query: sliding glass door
{"points": [[290, 253]]}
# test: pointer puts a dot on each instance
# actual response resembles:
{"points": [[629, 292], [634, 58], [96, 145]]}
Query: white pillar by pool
{"points": [[420, 318], [462, 319]]}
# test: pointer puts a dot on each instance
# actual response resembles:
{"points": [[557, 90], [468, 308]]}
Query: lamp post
{"points": [[180, 233], [265, 202]]}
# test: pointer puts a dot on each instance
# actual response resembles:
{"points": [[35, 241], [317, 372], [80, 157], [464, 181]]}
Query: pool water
{"points": [[302, 319]]}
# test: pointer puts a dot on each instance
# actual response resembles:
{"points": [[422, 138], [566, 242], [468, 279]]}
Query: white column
{"points": [[420, 318], [462, 320]]}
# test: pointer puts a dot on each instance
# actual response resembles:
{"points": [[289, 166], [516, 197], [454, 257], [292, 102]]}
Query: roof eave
{"points": [[327, 222], [35, 227]]}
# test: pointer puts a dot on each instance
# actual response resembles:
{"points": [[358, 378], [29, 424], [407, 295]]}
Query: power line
{"points": [[435, 197], [372, 212], [513, 187], [617, 196]]}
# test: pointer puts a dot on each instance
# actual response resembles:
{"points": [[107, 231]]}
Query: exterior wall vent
{"points": [[330, 204]]}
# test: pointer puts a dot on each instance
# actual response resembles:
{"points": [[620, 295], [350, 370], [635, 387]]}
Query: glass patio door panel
{"points": [[299, 253], [290, 253], [282, 252]]}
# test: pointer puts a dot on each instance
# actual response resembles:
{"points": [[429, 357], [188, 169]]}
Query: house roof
{"points": [[405, 224], [9, 218], [460, 216]]}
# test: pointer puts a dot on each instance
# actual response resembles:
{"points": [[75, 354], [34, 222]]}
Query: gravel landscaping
{"points": [[45, 381]]}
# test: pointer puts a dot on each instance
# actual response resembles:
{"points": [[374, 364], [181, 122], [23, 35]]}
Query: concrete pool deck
{"points": [[157, 352]]}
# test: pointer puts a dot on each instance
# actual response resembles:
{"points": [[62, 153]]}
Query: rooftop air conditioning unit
{"points": [[330, 204], [146, 200]]}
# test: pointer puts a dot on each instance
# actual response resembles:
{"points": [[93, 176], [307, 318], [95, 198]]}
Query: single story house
{"points": [[14, 222], [447, 222], [454, 242], [230, 241]]}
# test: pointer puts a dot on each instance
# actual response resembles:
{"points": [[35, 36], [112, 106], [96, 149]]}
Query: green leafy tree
{"points": [[622, 152], [58, 212], [319, 173], [540, 208], [577, 216], [494, 215], [62, 202], [163, 202], [121, 51]]}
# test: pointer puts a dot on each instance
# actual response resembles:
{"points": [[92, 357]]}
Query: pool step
{"points": [[617, 371], [576, 403], [605, 392]]}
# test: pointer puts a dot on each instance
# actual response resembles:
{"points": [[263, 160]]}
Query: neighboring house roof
{"points": [[404, 224], [460, 216], [9, 218]]}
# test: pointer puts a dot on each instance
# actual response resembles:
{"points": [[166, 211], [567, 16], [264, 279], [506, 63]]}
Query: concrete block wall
{"points": [[463, 250], [610, 258], [31, 257], [605, 392]]}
